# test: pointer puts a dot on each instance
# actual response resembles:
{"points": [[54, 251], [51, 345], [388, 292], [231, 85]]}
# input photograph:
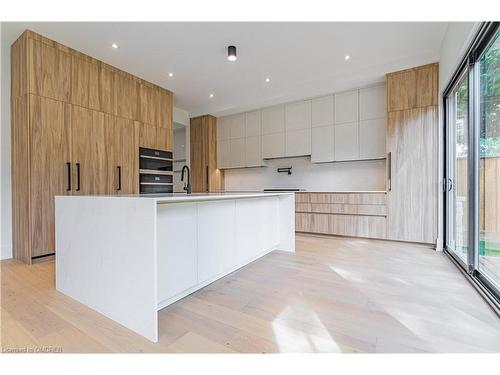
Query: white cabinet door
{"points": [[273, 145], [253, 124], [322, 111], [323, 144], [216, 241], [223, 154], [372, 138], [346, 141], [237, 126], [273, 119], [176, 223], [223, 130], [253, 153], [237, 153], [346, 107], [298, 115], [372, 103], [298, 142]]}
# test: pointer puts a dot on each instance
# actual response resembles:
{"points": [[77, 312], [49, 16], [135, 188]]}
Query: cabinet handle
{"points": [[77, 176], [207, 178], [68, 165], [119, 177], [389, 171]]}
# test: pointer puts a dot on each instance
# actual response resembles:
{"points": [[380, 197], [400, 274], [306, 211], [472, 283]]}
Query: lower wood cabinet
{"points": [[346, 214]]}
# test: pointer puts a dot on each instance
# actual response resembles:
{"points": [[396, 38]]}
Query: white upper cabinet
{"points": [[273, 145], [322, 111], [298, 142], [223, 129], [346, 107], [273, 119], [323, 144], [253, 124], [346, 142], [372, 138], [237, 126], [298, 115], [223, 153], [372, 103], [237, 153], [253, 152]]}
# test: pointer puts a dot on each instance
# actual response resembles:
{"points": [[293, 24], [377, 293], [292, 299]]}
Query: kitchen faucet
{"points": [[187, 185]]}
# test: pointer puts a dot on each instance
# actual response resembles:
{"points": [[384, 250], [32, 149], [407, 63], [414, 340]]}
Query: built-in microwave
{"points": [[155, 171]]}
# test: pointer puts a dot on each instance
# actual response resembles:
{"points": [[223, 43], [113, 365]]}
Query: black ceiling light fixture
{"points": [[231, 53]]}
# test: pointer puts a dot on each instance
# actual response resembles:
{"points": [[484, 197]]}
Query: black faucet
{"points": [[187, 185]]}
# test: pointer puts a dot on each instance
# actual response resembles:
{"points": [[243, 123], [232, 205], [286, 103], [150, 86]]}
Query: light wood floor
{"points": [[332, 295]]}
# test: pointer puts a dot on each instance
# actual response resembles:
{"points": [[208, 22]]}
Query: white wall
{"points": [[343, 176], [5, 189], [455, 43]]}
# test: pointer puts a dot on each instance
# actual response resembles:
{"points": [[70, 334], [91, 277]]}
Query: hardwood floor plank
{"points": [[334, 294]]}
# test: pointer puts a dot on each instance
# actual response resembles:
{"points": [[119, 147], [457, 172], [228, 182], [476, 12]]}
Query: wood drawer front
{"points": [[341, 208], [345, 225], [351, 198], [302, 197], [302, 207]]}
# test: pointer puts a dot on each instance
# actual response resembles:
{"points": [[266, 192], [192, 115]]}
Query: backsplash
{"points": [[341, 176]]}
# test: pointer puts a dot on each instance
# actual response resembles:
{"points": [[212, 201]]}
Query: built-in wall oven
{"points": [[155, 171]]}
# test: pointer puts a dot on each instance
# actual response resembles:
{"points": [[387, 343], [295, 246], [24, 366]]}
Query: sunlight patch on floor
{"points": [[290, 339], [348, 275]]}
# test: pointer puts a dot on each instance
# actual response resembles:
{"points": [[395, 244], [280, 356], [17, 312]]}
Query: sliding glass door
{"points": [[472, 180], [489, 162], [457, 184]]}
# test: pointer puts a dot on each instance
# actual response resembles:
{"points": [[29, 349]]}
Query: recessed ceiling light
{"points": [[211, 96], [115, 46], [347, 57], [170, 74], [268, 80], [231, 53]]}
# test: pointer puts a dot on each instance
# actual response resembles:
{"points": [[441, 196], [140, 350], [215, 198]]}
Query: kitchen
{"points": [[151, 218]]}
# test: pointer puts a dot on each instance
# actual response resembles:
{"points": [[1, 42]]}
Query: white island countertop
{"points": [[194, 197]]}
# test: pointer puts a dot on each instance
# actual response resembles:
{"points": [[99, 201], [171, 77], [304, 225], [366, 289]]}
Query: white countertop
{"points": [[182, 197]]}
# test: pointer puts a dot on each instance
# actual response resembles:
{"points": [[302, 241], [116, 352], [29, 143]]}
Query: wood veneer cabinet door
{"points": [[125, 96], [199, 155], [122, 155], [147, 135], [412, 198], [49, 71], [50, 148], [89, 152]]}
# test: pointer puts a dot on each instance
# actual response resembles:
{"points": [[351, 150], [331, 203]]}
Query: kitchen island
{"points": [[129, 256]]}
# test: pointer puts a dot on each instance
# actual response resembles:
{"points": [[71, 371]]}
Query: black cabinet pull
{"points": [[77, 176], [207, 183], [119, 177], [68, 164]]}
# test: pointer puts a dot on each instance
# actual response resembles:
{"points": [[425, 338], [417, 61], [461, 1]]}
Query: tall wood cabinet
{"points": [[412, 158], [205, 176], [77, 124]]}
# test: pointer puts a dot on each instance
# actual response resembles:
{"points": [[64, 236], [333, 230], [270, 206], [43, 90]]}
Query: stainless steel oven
{"points": [[155, 171]]}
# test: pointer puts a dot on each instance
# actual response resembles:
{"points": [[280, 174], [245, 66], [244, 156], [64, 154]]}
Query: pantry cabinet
{"points": [[77, 124]]}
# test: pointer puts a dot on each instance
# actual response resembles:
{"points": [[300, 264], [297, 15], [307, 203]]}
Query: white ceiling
{"points": [[302, 59]]}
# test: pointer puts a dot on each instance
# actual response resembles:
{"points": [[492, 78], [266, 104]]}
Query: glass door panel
{"points": [[457, 181], [489, 163]]}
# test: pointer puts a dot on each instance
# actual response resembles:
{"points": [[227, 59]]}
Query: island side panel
{"points": [[106, 258], [227, 234], [287, 222]]}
